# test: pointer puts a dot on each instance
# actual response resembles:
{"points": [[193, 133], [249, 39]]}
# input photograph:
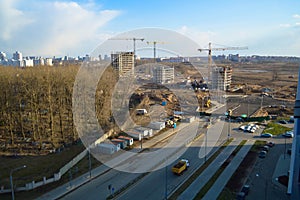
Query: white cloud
{"points": [[284, 25], [52, 28], [11, 19], [296, 16], [201, 37], [297, 24]]}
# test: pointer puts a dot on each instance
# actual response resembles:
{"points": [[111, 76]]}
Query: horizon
{"points": [[76, 27]]}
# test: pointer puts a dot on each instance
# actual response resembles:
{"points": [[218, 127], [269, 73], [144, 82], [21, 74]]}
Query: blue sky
{"points": [[77, 27]]}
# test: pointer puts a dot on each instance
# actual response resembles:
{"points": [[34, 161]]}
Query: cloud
{"points": [[201, 37], [53, 28], [11, 19], [297, 24], [284, 25], [296, 16]]}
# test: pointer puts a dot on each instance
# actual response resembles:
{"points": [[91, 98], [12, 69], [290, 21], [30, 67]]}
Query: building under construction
{"points": [[163, 74], [221, 78], [123, 62]]}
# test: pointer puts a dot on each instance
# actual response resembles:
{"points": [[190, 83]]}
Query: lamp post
{"points": [[90, 162], [228, 134], [11, 180], [284, 148], [209, 121], [166, 183]]}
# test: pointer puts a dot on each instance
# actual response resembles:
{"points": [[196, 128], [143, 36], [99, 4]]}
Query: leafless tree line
{"points": [[36, 107]]}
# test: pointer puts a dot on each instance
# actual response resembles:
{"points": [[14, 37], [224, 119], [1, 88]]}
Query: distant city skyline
{"points": [[75, 28]]}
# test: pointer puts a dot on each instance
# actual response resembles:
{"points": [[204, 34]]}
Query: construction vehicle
{"points": [[207, 102], [170, 123], [180, 167]]}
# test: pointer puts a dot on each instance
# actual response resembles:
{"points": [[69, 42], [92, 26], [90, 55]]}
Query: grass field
{"points": [[40, 166], [275, 129]]}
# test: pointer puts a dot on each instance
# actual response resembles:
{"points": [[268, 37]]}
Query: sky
{"points": [[76, 27]]}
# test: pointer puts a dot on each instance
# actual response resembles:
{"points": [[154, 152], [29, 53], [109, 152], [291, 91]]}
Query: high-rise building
{"points": [[17, 56], [163, 74], [123, 62], [2, 56], [221, 78], [48, 61], [38, 61]]}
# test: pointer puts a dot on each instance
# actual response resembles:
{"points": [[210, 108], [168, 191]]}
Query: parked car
{"points": [[240, 196], [246, 189], [283, 122], [288, 134], [265, 148], [266, 135], [262, 154], [242, 128], [270, 144]]}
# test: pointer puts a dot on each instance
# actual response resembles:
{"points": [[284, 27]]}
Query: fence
{"points": [[32, 185]]}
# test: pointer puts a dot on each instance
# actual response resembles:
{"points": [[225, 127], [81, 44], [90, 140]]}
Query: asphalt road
{"points": [[260, 178], [158, 181], [98, 188], [161, 183]]}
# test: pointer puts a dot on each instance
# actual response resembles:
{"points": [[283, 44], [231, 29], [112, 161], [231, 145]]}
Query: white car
{"points": [[289, 134], [242, 128]]}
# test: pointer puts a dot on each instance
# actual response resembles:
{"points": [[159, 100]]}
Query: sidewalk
{"points": [[195, 187], [222, 180], [282, 168], [85, 178]]}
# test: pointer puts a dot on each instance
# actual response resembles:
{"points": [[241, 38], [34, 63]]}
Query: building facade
{"points": [[123, 62], [221, 78], [17, 56], [163, 74]]}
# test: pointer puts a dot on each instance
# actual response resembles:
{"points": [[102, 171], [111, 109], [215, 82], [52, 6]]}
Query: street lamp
{"points": [[90, 162], [228, 134], [11, 180]]}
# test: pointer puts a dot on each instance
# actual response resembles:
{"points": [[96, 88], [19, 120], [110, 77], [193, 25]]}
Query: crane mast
{"points": [[134, 39], [210, 49], [154, 48]]}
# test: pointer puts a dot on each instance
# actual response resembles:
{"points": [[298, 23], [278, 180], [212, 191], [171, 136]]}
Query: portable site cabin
{"points": [[157, 125], [106, 148], [128, 139], [147, 132], [122, 143], [135, 135], [189, 119]]}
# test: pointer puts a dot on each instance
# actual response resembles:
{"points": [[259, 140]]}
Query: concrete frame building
{"points": [[294, 172], [221, 78], [163, 74], [123, 62]]}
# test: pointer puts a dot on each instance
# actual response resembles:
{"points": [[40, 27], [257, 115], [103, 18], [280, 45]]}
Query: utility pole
{"points": [[90, 162], [11, 180]]}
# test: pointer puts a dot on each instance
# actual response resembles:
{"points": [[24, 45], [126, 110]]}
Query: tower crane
{"points": [[154, 47], [134, 39], [210, 49]]}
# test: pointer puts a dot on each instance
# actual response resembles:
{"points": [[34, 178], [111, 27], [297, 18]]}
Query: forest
{"points": [[36, 108]]}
